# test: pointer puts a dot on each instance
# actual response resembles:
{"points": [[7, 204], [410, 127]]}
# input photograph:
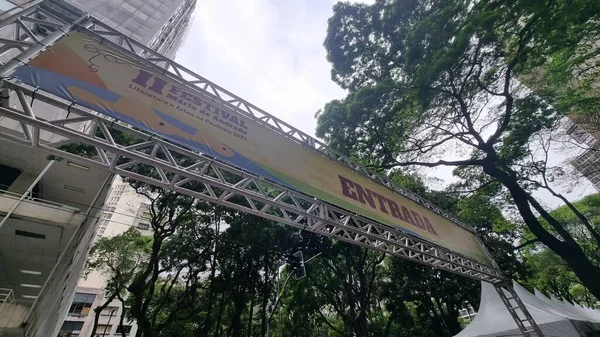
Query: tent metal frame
{"points": [[198, 174]]}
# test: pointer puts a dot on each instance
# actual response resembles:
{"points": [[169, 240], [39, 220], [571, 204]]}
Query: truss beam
{"points": [[201, 176], [188, 78], [218, 182], [287, 206], [518, 310]]}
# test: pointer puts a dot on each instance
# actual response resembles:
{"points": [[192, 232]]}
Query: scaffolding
{"points": [[198, 174]]}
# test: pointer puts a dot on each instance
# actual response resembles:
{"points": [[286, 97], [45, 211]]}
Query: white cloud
{"points": [[271, 53], [268, 52]]}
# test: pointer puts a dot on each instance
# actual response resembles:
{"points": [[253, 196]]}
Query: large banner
{"points": [[79, 69]]}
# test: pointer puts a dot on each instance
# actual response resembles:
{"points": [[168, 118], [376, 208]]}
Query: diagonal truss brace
{"points": [[58, 18], [517, 310], [201, 176], [195, 82]]}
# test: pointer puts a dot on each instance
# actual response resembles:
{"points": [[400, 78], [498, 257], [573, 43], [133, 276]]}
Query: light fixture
{"points": [[29, 296], [73, 188], [30, 272], [28, 285], [79, 166], [29, 234]]}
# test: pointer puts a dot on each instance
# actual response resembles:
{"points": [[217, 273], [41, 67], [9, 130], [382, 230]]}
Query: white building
{"points": [[588, 162], [48, 218], [124, 209], [52, 208]]}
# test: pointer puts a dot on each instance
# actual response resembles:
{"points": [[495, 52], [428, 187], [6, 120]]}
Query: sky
{"points": [[270, 52]]}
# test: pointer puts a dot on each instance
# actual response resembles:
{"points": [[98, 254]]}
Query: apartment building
{"points": [[587, 163], [124, 209], [159, 24], [48, 218], [51, 209]]}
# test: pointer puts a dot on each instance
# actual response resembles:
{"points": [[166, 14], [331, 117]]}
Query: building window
{"points": [[6, 5], [143, 226], [81, 305], [103, 329], [8, 175], [124, 329], [70, 329], [109, 311]]}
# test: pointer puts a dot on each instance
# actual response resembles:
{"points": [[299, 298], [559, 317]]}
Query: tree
{"points": [[166, 290], [428, 77], [565, 67], [221, 280], [250, 251], [353, 291], [118, 258], [549, 273]]}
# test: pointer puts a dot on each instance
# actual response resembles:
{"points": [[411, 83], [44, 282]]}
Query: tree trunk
{"points": [[265, 299], [250, 318], [99, 309], [451, 319], [388, 327], [220, 316], [139, 288], [239, 304], [204, 329], [122, 318], [567, 250]]}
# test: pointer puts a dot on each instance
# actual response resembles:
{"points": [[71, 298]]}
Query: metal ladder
{"points": [[517, 310]]}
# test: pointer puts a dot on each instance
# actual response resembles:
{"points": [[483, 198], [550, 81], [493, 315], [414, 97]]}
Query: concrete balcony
{"points": [[12, 313], [39, 210], [31, 241], [45, 240]]}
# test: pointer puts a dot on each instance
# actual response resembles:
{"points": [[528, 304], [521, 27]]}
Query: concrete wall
{"points": [[57, 294], [128, 211], [12, 315]]}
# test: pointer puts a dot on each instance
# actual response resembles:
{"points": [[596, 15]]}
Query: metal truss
{"points": [[195, 174], [39, 26], [517, 310], [189, 79]]}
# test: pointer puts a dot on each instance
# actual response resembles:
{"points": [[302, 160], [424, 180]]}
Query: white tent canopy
{"points": [[555, 318], [567, 312]]}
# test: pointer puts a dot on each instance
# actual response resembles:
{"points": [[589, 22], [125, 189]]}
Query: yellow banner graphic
{"points": [[80, 69]]}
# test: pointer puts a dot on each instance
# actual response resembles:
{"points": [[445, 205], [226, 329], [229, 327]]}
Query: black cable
{"points": [[33, 96], [69, 109]]}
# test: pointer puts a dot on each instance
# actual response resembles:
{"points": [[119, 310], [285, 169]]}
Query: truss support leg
{"points": [[518, 311]]}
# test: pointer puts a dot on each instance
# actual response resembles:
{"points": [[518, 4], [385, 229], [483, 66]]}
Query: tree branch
{"points": [[488, 183], [524, 35], [526, 243], [466, 162]]}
